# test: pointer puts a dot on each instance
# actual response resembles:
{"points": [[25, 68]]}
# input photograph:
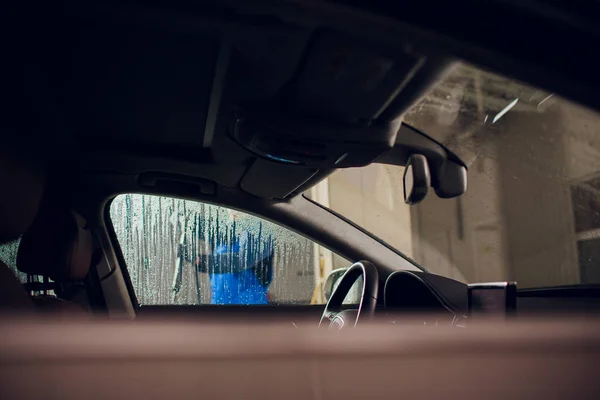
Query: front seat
{"points": [[22, 186], [59, 246]]}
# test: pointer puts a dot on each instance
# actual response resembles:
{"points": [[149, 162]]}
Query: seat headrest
{"points": [[58, 245], [22, 186]]}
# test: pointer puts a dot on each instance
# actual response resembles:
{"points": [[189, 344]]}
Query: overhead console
{"points": [[290, 139], [343, 109], [328, 115]]}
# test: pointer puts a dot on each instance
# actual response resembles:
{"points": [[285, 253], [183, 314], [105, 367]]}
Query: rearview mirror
{"points": [[446, 172], [417, 179]]}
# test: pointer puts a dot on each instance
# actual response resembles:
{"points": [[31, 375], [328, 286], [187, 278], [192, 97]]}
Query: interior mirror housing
{"points": [[417, 179], [452, 181], [447, 172]]}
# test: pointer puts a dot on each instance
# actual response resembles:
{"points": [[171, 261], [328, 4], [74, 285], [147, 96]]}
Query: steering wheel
{"points": [[334, 316]]}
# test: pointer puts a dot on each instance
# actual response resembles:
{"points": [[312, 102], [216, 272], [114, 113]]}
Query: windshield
{"points": [[532, 208]]}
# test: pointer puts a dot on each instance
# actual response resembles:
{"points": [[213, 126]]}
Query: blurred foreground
{"points": [[548, 359]]}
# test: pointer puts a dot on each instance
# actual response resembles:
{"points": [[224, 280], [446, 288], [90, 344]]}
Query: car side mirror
{"points": [[331, 281], [417, 179]]}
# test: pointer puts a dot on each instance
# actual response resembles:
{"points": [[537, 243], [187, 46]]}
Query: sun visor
{"points": [[271, 180]]}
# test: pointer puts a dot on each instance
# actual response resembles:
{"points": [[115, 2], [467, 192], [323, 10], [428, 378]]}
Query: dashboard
{"points": [[418, 298], [411, 297]]}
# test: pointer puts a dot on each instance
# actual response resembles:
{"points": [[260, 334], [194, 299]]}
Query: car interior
{"points": [[238, 112]]}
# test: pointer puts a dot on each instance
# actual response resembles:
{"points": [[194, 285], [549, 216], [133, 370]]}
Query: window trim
{"points": [[114, 242]]}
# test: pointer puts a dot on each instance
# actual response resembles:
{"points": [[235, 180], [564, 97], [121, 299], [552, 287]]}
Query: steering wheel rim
{"points": [[333, 312]]}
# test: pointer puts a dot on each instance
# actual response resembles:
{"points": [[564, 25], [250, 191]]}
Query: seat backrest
{"points": [[59, 246], [21, 184], [13, 297]]}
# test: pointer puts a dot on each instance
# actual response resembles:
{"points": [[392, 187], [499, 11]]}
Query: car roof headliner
{"points": [[122, 89]]}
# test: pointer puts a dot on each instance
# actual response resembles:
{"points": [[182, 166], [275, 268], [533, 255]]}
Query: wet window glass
{"points": [[586, 205], [185, 252], [531, 213], [8, 255]]}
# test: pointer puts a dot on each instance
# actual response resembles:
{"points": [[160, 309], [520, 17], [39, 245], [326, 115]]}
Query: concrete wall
{"points": [[517, 215], [536, 201], [582, 141], [456, 236], [516, 220], [372, 197]]}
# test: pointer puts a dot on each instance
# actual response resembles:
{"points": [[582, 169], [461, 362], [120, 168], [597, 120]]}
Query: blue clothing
{"points": [[237, 288], [240, 272]]}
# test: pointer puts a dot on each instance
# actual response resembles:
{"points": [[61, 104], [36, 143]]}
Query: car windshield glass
{"points": [[532, 208]]}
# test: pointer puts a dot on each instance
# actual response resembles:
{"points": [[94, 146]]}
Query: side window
{"points": [[181, 252], [8, 255]]}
